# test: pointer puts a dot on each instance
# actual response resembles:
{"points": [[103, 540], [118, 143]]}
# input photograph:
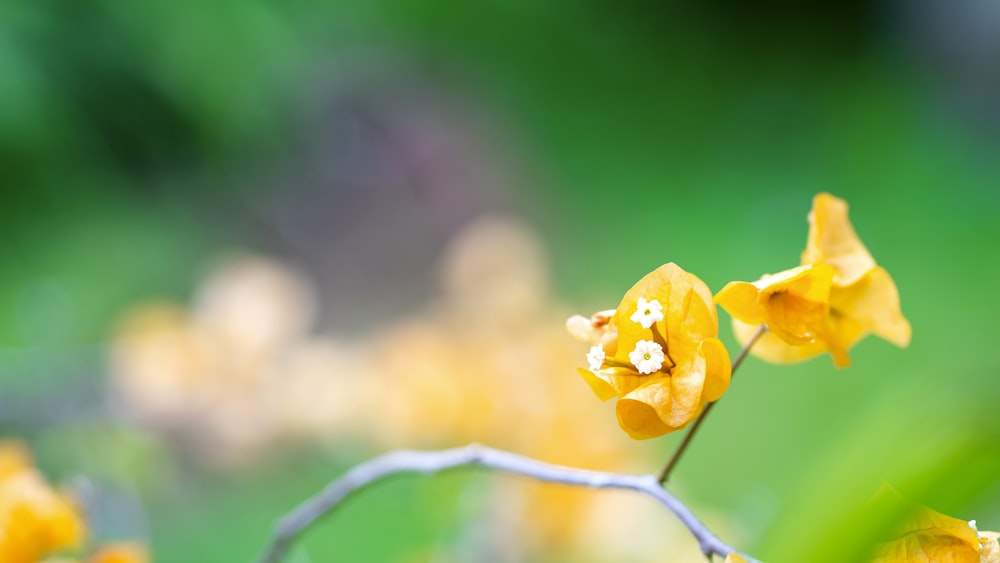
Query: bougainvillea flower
{"points": [[862, 296], [793, 304], [658, 353], [35, 520], [927, 535]]}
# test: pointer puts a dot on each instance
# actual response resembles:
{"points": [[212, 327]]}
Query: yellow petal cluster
{"points": [[694, 370], [238, 371], [35, 519], [927, 535], [39, 523], [836, 297]]}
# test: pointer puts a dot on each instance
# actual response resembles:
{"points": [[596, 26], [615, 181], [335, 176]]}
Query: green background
{"points": [[138, 141]]}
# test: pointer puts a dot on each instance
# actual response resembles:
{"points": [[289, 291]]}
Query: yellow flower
{"points": [[927, 535], [35, 520], [860, 296], [794, 304], [658, 353], [120, 552]]}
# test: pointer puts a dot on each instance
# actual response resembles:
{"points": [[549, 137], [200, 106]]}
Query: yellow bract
{"points": [[794, 304], [927, 535], [35, 520], [836, 297], [678, 320]]}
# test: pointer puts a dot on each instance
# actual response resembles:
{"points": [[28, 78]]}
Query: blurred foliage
{"points": [[138, 141]]}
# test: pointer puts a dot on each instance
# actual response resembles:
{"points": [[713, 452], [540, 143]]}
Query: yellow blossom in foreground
{"points": [[862, 296], [35, 520], [927, 535], [659, 354], [734, 558]]}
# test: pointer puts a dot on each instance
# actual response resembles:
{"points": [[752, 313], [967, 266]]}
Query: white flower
{"points": [[647, 356], [648, 312], [596, 357]]}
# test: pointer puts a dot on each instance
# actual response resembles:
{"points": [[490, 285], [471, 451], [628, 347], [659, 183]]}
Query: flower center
{"points": [[646, 356]]}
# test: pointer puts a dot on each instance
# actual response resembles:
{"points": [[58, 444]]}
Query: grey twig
{"points": [[409, 461]]}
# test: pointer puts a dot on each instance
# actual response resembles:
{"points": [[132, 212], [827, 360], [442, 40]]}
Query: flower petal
{"points": [[670, 285], [35, 519], [794, 319], [840, 334], [718, 369], [793, 303], [873, 302], [612, 382], [691, 318], [926, 535], [771, 348], [742, 301], [832, 240], [687, 385], [642, 412]]}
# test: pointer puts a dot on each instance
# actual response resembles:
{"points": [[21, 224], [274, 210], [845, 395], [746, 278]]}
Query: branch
{"points": [[409, 461]]}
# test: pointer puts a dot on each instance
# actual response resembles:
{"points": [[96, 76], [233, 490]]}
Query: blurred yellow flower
{"points": [[121, 552], [734, 558], [862, 297], [927, 535], [593, 329], [240, 370], [658, 353], [474, 363], [35, 520]]}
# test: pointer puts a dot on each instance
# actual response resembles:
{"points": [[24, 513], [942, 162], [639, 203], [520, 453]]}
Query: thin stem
{"points": [[408, 461], [708, 408]]}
